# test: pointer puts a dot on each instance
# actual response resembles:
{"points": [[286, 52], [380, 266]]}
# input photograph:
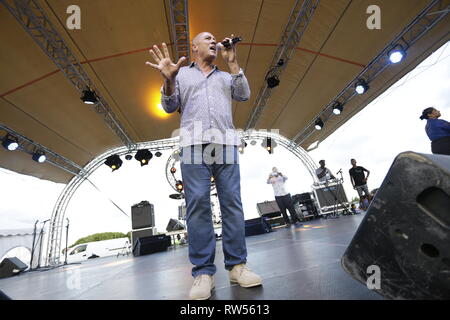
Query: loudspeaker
{"points": [[11, 266], [174, 225], [140, 233], [256, 226], [147, 245], [142, 215], [268, 209], [326, 195], [403, 240]]}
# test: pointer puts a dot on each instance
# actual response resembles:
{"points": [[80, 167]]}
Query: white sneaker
{"points": [[201, 288], [242, 275]]}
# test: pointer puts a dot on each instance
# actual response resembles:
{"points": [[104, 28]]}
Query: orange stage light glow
{"points": [[154, 105]]}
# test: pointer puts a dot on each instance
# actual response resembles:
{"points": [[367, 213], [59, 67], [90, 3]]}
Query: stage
{"points": [[295, 264]]}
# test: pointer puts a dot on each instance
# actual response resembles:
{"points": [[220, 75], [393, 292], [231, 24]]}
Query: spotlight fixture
{"points": [[253, 142], [280, 62], [242, 146], [39, 156], [143, 156], [10, 143], [269, 145], [337, 108], [397, 54], [158, 154], [114, 162], [319, 124], [128, 157], [179, 186], [273, 81], [89, 97], [173, 170], [361, 86]]}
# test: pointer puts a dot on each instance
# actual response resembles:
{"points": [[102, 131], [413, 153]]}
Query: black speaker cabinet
{"points": [[11, 266], [140, 233], [152, 244], [406, 231], [174, 225], [268, 209], [142, 215]]}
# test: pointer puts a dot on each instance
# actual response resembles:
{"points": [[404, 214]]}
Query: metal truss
{"points": [[57, 220], [33, 19], [416, 29], [298, 22], [29, 146], [180, 28]]}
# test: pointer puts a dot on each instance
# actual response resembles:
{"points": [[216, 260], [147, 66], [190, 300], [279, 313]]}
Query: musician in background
{"points": [[282, 197], [323, 173]]}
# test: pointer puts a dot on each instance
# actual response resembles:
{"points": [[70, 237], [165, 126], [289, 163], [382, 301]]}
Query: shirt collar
{"points": [[196, 65]]}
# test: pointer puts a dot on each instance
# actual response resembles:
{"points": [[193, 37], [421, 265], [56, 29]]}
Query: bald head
{"points": [[204, 47]]}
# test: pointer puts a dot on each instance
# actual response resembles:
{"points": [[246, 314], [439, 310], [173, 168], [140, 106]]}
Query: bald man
{"points": [[203, 95]]}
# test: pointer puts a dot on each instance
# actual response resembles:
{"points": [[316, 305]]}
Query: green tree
{"points": [[100, 237]]}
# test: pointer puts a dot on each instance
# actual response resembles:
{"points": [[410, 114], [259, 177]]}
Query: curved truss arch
{"points": [[57, 219]]}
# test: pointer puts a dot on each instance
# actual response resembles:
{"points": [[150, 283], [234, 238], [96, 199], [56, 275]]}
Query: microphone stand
{"points": [[67, 238], [41, 236]]}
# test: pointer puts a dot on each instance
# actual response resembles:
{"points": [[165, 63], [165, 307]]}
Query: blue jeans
{"points": [[196, 173]]}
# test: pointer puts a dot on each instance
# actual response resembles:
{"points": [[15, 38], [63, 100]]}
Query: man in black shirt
{"points": [[358, 178]]}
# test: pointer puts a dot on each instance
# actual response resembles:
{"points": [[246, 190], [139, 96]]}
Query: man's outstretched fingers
{"points": [[158, 52], [154, 56], [152, 65], [180, 61], [165, 50]]}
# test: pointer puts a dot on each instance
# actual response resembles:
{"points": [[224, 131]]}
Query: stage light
{"points": [[361, 86], [39, 156], [253, 142], [337, 108], [242, 146], [128, 157], [173, 170], [114, 162], [10, 143], [89, 97], [158, 154], [143, 156], [269, 145], [179, 185], [397, 54], [319, 124], [273, 81]]}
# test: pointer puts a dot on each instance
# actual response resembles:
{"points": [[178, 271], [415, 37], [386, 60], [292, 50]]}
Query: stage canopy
{"points": [[39, 102]]}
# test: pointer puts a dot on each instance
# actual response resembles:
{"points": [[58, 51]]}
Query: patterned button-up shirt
{"points": [[205, 104]]}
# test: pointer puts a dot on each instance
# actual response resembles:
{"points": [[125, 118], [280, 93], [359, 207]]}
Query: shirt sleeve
{"points": [[444, 125], [240, 90], [285, 178], [171, 103]]}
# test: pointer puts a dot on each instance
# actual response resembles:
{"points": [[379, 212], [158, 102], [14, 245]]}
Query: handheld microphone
{"points": [[227, 43]]}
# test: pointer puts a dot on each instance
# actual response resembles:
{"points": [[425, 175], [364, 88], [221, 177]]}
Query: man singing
{"points": [[203, 94], [282, 197]]}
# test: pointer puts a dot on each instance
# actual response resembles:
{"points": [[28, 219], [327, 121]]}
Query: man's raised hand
{"points": [[164, 64]]}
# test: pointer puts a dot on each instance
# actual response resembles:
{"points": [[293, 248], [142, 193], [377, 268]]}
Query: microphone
{"points": [[226, 43], [340, 171]]}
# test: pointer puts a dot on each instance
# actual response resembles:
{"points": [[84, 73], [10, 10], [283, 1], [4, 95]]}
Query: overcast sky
{"points": [[386, 127]]}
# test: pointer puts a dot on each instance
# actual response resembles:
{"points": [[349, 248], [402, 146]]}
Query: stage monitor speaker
{"points": [[257, 226], [401, 248], [142, 215], [11, 266], [174, 225], [139, 233], [152, 244], [268, 209], [327, 195]]}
